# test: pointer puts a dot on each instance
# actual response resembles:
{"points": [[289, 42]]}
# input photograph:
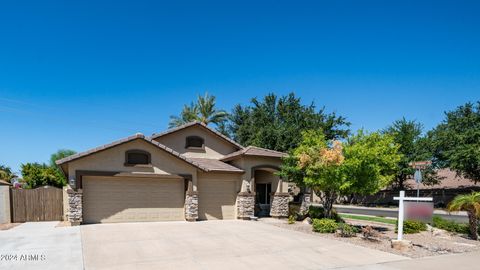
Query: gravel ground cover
{"points": [[429, 243]]}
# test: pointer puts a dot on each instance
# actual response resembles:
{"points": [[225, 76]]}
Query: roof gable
{"points": [[199, 124], [137, 136]]}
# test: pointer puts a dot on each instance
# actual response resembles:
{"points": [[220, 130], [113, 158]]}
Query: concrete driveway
{"points": [[41, 245], [217, 245]]}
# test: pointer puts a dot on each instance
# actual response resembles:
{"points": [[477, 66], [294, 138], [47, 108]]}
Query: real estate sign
{"points": [[421, 211]]}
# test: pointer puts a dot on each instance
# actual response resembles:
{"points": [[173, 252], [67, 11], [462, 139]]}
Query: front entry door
{"points": [[262, 202]]}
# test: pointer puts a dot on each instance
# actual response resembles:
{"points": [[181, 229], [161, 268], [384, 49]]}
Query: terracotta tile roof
{"points": [[137, 136], [214, 165], [254, 151], [172, 130], [449, 179]]}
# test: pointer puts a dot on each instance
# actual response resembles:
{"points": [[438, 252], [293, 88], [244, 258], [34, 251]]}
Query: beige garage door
{"points": [[116, 199], [216, 197]]}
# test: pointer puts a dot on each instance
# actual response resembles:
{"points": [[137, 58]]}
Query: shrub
{"points": [[293, 208], [370, 233], [292, 219], [412, 226], [346, 230], [317, 212], [449, 225], [324, 225]]}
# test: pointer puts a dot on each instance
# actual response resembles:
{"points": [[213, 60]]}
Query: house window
{"points": [[194, 142], [137, 157]]}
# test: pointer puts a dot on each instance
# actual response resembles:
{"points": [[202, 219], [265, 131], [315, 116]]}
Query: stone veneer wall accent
{"points": [[306, 202], [279, 206], [191, 206], [245, 205], [75, 208]]}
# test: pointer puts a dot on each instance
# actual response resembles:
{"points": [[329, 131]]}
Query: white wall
{"points": [[4, 204]]}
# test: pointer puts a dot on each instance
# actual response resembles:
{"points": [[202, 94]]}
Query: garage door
{"points": [[115, 199], [216, 197]]}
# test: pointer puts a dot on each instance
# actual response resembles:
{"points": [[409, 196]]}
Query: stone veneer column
{"points": [[306, 202], [75, 208], [191, 206], [245, 205], [191, 203], [279, 206]]}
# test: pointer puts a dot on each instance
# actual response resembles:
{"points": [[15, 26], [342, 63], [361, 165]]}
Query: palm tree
{"points": [[204, 110], [471, 204], [6, 173]]}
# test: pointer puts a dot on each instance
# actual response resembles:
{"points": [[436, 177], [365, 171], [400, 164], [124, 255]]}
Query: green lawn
{"points": [[370, 218]]}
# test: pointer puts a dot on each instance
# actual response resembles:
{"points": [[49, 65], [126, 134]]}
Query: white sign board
{"points": [[401, 211]]}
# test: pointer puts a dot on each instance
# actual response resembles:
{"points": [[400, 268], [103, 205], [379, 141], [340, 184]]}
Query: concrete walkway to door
{"points": [[217, 245]]}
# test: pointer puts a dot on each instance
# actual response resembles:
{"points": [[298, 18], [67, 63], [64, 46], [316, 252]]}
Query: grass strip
{"points": [[370, 218]]}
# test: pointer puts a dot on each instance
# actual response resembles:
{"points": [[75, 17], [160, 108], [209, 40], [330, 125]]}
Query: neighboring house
{"points": [[450, 186], [191, 172]]}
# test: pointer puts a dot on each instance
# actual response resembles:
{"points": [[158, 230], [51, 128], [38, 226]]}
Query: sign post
{"points": [[401, 210]]}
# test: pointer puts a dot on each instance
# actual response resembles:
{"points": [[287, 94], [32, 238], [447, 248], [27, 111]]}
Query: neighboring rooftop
{"points": [[449, 180], [253, 151], [200, 124]]}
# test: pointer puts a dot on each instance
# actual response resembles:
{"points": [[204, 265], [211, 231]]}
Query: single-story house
{"points": [[191, 172]]}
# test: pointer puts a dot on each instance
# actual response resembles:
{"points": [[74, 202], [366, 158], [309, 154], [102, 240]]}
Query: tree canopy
{"points": [[413, 147], [456, 141], [277, 122], [203, 110], [6, 173], [41, 174], [363, 165], [37, 175]]}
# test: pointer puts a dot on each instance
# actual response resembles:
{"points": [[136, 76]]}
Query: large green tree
{"points": [[413, 147], [363, 165], [36, 175], [203, 110], [456, 141], [6, 173], [277, 122]]}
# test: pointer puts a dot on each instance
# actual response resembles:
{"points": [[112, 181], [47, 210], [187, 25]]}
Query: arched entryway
{"points": [[266, 183]]}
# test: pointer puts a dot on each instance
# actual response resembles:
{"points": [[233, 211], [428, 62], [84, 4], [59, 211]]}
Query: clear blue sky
{"points": [[68, 71]]}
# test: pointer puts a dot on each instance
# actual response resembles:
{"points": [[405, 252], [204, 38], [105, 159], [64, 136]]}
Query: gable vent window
{"points": [[137, 157], [194, 142]]}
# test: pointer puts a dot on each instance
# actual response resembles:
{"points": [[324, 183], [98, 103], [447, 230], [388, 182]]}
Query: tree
{"points": [[413, 147], [456, 141], [363, 165], [277, 122], [204, 110], [471, 204], [61, 153], [6, 173], [37, 175]]}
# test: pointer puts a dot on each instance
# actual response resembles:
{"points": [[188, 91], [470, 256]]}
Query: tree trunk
{"points": [[328, 198], [473, 223]]}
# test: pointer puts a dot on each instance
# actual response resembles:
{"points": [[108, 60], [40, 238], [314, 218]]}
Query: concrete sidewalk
{"points": [[463, 261], [41, 245]]}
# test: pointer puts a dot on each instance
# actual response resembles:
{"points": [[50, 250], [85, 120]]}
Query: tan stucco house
{"points": [[191, 172]]}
